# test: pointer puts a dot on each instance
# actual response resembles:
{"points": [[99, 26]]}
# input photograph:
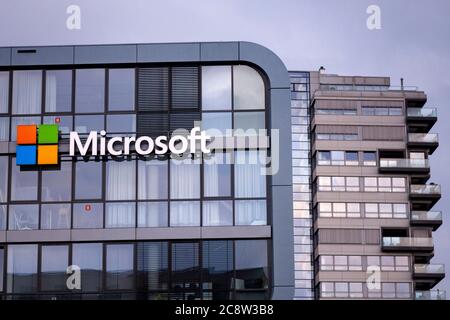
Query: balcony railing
{"points": [[426, 216], [429, 268], [404, 163], [402, 242], [425, 189], [430, 295], [422, 112], [423, 137]]}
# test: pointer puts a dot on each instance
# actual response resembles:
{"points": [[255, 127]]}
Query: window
{"points": [[57, 184], [58, 91], [23, 183], [327, 289], [87, 215], [217, 175], [3, 179], [87, 123], [119, 266], [248, 88], [186, 267], [121, 89], [152, 214], [90, 91], [251, 212], [337, 136], [354, 263], [152, 179], [251, 268], [2, 268], [152, 265], [388, 290], [22, 269], [184, 213], [55, 216], [23, 217], [356, 289], [3, 213], [341, 112], [4, 128], [22, 120], [350, 184], [88, 180], [184, 179], [121, 123], [324, 158], [403, 290], [64, 122], [4, 93], [249, 123], [120, 215], [216, 88], [249, 180], [402, 263], [89, 257], [27, 91], [384, 184], [218, 213], [337, 158], [387, 263], [340, 263], [326, 263], [369, 158], [120, 180], [341, 289], [351, 158], [217, 123], [217, 267], [54, 262], [382, 111]]}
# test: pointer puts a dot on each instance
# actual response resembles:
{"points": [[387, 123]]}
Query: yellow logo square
{"points": [[47, 154]]}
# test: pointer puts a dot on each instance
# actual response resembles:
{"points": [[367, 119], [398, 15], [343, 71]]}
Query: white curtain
{"points": [[27, 92], [50, 92], [120, 180], [184, 179], [152, 179], [248, 172], [184, 213], [217, 213], [4, 128], [251, 212], [120, 215], [152, 214], [217, 175], [4, 91]]}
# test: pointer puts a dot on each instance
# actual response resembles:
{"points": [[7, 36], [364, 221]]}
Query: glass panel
{"points": [[55, 216], [22, 267], [55, 260], [218, 213], [57, 184], [4, 128], [23, 217], [27, 92], [3, 212], [88, 180], [251, 212], [217, 175], [121, 89], [217, 123], [64, 122], [217, 267], [85, 124], [2, 270], [152, 265], [119, 266], [248, 87], [23, 183], [4, 178], [251, 268], [185, 268], [249, 180], [58, 91], [184, 179], [120, 215], [184, 213], [249, 123], [90, 91], [121, 123], [216, 88], [152, 179], [120, 180], [87, 215], [4, 92], [152, 214], [89, 257]]}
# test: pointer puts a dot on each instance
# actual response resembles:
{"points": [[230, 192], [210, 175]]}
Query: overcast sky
{"points": [[413, 43]]}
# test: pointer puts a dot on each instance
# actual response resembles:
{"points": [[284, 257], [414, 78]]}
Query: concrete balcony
{"points": [[425, 194], [430, 295], [407, 244], [404, 166], [428, 141], [426, 218], [428, 275], [423, 118]]}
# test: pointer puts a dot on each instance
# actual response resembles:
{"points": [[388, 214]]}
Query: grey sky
{"points": [[413, 43]]}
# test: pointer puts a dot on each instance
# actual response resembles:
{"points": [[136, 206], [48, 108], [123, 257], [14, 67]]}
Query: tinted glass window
{"points": [[121, 89], [216, 88], [217, 267], [57, 184], [4, 128], [248, 88], [22, 268], [120, 180], [152, 214], [3, 179], [217, 175], [87, 215], [54, 262], [58, 91], [120, 215], [90, 90], [55, 216], [64, 122], [85, 124], [23, 217], [88, 180], [218, 213], [119, 266], [27, 92], [152, 265], [23, 183], [89, 257], [4, 91], [121, 123], [152, 179]]}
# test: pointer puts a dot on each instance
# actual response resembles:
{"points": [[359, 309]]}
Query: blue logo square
{"points": [[26, 155]]}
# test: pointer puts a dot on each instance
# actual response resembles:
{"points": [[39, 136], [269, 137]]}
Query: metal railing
{"points": [[376, 88], [423, 137], [404, 163], [426, 215], [429, 268], [430, 295], [425, 189], [407, 242], [421, 112]]}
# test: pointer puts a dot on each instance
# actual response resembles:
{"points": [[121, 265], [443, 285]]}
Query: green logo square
{"points": [[48, 134]]}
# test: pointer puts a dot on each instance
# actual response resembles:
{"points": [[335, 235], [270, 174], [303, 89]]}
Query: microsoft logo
{"points": [[37, 145]]}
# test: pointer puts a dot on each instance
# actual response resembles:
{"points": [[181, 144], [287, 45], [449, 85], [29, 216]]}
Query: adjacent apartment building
{"points": [[345, 211]]}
